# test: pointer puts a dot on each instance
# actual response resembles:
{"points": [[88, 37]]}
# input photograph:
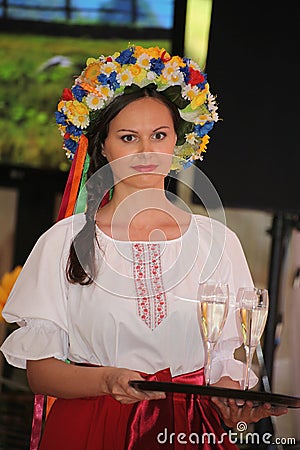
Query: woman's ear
{"points": [[103, 151]]}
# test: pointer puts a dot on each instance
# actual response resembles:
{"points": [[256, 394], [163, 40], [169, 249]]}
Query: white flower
{"points": [[176, 78], [211, 103], [69, 154], [82, 121], [104, 92], [196, 156], [144, 61], [108, 67], [125, 78], [94, 102], [189, 92], [194, 65], [192, 138], [173, 76], [151, 75], [170, 66], [215, 116]]}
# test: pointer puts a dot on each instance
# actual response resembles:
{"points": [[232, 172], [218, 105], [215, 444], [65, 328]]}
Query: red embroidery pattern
{"points": [[151, 297]]}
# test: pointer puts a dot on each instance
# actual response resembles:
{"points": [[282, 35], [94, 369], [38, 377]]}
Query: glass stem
{"points": [[249, 356], [209, 346]]}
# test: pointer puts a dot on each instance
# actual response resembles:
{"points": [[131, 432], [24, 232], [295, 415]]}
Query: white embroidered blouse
{"points": [[139, 312]]}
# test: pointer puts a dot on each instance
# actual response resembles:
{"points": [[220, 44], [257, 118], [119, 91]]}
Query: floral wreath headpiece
{"points": [[179, 79]]}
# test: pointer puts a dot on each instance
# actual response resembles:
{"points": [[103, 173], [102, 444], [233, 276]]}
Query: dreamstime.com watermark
{"points": [[237, 436]]}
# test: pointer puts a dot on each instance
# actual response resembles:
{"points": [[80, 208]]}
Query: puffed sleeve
{"points": [[38, 301], [234, 269]]}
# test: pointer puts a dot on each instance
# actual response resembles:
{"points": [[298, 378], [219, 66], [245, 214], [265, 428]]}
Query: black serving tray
{"points": [[256, 397]]}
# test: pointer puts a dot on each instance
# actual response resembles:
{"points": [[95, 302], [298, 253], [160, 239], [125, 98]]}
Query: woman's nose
{"points": [[145, 146]]}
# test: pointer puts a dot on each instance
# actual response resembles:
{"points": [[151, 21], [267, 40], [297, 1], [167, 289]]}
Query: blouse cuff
{"points": [[35, 339], [230, 367]]}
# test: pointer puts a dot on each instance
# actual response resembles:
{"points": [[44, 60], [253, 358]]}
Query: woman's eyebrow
{"points": [[127, 130], [163, 126], [134, 131]]}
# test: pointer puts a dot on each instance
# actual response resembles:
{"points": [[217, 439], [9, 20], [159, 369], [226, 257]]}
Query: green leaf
{"points": [[183, 128], [173, 93]]}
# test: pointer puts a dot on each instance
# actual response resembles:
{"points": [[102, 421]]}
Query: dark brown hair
{"points": [[81, 262]]}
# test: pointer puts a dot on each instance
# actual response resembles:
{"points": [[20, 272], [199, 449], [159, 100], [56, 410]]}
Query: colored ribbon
{"points": [[180, 417], [76, 173], [37, 420]]}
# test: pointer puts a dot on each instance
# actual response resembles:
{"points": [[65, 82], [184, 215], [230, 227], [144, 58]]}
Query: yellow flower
{"points": [[6, 285], [115, 55], [156, 52], [178, 61], [78, 113], [90, 61], [135, 70], [60, 105], [140, 77], [92, 71], [204, 142], [138, 50], [198, 100]]}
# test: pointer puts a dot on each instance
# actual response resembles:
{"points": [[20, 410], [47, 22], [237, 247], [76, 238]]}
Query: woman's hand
{"points": [[233, 412], [117, 385]]}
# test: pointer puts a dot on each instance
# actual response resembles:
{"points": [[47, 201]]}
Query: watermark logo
{"points": [[237, 436], [241, 427]]}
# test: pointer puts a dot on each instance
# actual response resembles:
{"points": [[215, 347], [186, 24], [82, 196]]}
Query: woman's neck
{"points": [[145, 214]]}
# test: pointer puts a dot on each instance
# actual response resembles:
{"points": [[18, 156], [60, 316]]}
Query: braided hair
{"points": [[81, 262]]}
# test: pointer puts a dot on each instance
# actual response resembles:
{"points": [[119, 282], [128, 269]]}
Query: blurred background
{"points": [[249, 53]]}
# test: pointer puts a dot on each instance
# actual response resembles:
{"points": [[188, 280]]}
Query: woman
{"points": [[104, 290]]}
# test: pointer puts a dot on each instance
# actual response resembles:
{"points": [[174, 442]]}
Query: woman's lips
{"points": [[145, 167]]}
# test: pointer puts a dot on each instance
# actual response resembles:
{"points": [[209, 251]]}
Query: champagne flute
{"points": [[253, 306], [212, 313]]}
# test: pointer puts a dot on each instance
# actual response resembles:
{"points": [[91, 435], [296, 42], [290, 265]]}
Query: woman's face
{"points": [[140, 141]]}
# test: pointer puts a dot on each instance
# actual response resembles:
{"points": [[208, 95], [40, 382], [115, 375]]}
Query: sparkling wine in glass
{"points": [[253, 306], [212, 312]]}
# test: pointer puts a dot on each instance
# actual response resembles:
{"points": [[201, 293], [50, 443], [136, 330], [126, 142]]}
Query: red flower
{"points": [[196, 77], [109, 59], [67, 136], [67, 95]]}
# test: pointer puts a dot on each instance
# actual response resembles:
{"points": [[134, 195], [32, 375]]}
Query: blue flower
{"points": [[188, 164], [186, 73], [202, 130], [60, 118], [112, 81], [202, 85], [102, 78], [157, 65], [126, 57], [79, 92], [72, 129], [71, 145]]}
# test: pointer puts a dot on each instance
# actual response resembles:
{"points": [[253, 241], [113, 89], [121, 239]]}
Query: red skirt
{"points": [[179, 422]]}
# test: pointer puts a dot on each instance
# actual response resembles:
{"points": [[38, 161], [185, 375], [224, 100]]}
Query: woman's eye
{"points": [[128, 138], [159, 136]]}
